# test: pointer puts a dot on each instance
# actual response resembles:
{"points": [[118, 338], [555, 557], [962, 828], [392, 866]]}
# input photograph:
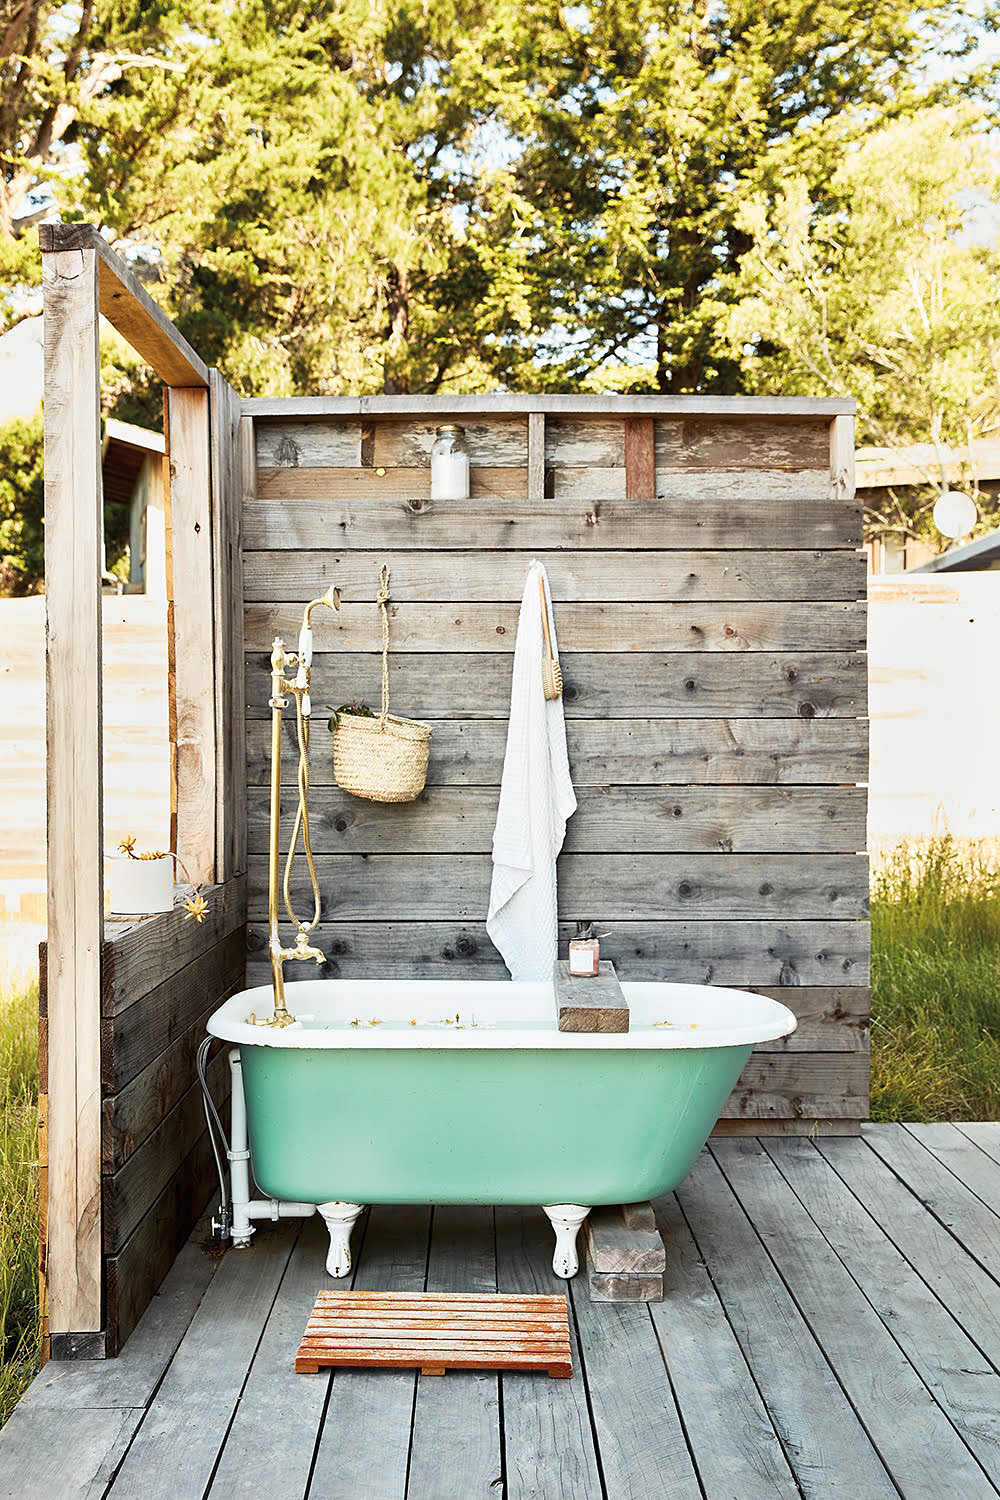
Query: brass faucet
{"points": [[298, 686]]}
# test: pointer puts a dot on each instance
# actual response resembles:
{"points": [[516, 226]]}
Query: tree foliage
{"points": [[22, 538]]}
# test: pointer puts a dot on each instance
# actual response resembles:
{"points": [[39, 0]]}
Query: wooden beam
{"points": [[227, 566], [842, 457], [500, 403], [128, 307], [73, 555], [191, 631], [640, 459]]}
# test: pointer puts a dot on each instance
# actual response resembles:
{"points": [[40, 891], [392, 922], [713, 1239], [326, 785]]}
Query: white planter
{"points": [[137, 887]]}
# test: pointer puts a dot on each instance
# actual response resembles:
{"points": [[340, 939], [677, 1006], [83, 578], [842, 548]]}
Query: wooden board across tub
{"points": [[437, 1331]]}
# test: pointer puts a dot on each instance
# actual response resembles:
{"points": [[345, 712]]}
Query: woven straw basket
{"points": [[383, 758]]}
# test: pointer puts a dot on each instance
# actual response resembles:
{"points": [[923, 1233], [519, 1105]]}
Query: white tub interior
{"points": [[493, 1014]]}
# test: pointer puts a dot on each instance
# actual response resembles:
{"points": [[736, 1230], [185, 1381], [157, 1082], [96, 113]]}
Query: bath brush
{"points": [[551, 670]]}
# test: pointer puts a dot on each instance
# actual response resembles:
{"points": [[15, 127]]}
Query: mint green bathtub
{"points": [[452, 1092]]}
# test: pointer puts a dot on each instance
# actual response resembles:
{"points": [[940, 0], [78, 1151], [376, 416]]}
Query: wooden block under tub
{"points": [[596, 1003], [625, 1254], [613, 1246]]}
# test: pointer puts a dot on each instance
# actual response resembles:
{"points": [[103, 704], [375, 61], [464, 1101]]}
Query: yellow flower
{"points": [[196, 906], [127, 845], [375, 1023]]}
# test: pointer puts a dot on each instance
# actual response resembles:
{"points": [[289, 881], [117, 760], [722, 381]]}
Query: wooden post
{"points": [[227, 565], [640, 459], [842, 458], [536, 455], [73, 535], [190, 633]]}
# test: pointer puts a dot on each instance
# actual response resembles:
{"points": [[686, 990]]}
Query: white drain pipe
{"points": [[245, 1208]]}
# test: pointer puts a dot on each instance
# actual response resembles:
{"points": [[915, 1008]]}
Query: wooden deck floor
{"points": [[831, 1328]]}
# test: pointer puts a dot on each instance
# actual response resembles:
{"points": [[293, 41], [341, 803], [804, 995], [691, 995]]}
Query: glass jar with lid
{"points": [[449, 464]]}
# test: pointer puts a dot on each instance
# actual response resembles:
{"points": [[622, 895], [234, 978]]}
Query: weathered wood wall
{"points": [[161, 978], [712, 643]]}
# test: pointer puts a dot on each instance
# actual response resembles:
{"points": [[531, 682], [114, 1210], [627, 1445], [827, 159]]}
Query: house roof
{"points": [[124, 451], [979, 556]]}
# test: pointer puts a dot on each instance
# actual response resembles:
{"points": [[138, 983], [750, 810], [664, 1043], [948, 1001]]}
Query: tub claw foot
{"points": [[340, 1219], [566, 1219]]}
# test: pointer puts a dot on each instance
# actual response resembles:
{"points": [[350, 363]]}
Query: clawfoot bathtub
{"points": [[420, 1091]]}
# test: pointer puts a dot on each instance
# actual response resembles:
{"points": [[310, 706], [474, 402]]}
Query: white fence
{"points": [[933, 648]]}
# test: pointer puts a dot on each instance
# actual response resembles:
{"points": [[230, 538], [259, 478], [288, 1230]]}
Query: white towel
{"points": [[536, 799]]}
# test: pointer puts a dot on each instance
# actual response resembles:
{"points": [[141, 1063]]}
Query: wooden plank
{"points": [[810, 1412], [548, 1443], [782, 1129], [597, 685], [975, 1169], [985, 1134], [536, 456], [624, 1286], [190, 642], [800, 1085], [436, 1332], [831, 1019], [636, 752], [175, 1449], [498, 402], [974, 1225], [742, 443], [365, 1438], [72, 1459], [134, 1275], [609, 819], [131, 1191], [75, 828], [595, 1003], [574, 441], [131, 1115], [639, 1435], [913, 1436], [837, 625], [842, 475], [140, 955], [968, 1291], [128, 306], [710, 1376], [640, 460], [313, 445], [662, 886], [695, 485], [595, 523], [728, 953], [495, 442], [252, 1462], [481, 577], [227, 460], [615, 1245], [952, 1368], [462, 1258], [410, 486]]}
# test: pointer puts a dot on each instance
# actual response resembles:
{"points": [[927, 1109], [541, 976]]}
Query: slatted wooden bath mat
{"points": [[437, 1331]]}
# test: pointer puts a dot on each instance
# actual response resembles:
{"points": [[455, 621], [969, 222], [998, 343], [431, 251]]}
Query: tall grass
{"points": [[19, 1321], [936, 984]]}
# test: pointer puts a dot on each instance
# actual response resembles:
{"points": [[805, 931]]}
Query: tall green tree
{"points": [[885, 287], [646, 124]]}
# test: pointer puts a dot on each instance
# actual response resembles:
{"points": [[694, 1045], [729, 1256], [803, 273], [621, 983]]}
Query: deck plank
{"points": [[640, 1438], [970, 1293], [252, 1463], [179, 1440], [912, 1435], [961, 1379], [548, 1443], [365, 1440], [456, 1417], [828, 1449], [984, 1133], [975, 1227], [975, 1169], [73, 1425], [710, 1375]]}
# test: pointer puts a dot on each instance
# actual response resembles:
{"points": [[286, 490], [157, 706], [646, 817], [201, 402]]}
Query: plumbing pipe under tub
{"points": [[245, 1208]]}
